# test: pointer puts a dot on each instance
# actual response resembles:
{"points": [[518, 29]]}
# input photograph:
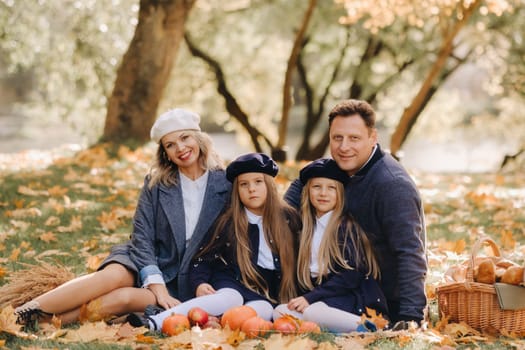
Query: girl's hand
{"points": [[204, 289], [164, 299], [298, 304]]}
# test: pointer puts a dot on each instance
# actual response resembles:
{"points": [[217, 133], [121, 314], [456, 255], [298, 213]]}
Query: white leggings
{"points": [[214, 304], [331, 318]]}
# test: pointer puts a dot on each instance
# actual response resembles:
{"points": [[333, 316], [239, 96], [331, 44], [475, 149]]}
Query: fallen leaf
{"points": [[92, 331], [47, 237]]}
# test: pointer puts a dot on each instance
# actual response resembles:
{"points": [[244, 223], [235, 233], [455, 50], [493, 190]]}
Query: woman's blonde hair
{"points": [[331, 255], [164, 171], [277, 233]]}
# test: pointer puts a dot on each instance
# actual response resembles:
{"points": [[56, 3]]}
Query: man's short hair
{"points": [[352, 107]]}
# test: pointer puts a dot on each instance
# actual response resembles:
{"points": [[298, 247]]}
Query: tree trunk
{"points": [[145, 69], [232, 106], [413, 111], [280, 154]]}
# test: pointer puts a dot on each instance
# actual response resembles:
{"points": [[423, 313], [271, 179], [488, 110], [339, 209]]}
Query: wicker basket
{"points": [[477, 303]]}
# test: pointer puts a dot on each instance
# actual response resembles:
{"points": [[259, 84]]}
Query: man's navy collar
{"points": [[378, 154]]}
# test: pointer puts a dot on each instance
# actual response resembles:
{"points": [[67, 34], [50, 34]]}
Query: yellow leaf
{"points": [[74, 225], [48, 237], [20, 225], [375, 318], [141, 338], [507, 240], [94, 261], [52, 221], [8, 321], [14, 254], [93, 312], [30, 192], [3, 272], [57, 191], [109, 221], [92, 331], [23, 213]]}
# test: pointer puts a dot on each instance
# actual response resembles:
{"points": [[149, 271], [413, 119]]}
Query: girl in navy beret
{"points": [[250, 257], [336, 270]]}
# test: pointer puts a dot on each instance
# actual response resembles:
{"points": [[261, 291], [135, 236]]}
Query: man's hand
{"points": [[204, 289], [164, 299]]}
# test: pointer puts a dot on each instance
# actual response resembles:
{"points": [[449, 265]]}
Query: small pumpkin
{"points": [[256, 326], [175, 324], [286, 324], [235, 316]]}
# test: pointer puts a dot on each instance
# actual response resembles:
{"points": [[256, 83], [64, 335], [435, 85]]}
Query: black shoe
{"points": [[143, 319], [400, 326], [29, 313], [152, 309], [137, 319]]}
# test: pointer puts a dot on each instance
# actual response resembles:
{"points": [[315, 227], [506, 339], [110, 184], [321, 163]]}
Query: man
{"points": [[385, 202]]}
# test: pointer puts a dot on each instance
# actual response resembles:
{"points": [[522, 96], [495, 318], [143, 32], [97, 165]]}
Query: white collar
{"points": [[323, 220], [253, 218]]}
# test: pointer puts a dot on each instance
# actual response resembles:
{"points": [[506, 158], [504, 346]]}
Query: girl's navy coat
{"points": [[219, 267], [349, 289], [158, 242]]}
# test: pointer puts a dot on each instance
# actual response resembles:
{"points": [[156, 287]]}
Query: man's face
{"points": [[351, 142]]}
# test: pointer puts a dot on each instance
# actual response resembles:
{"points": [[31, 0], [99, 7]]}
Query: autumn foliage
{"points": [[72, 212]]}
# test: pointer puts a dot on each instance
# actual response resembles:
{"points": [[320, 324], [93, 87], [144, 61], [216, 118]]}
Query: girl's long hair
{"points": [[331, 257], [164, 171], [277, 233]]}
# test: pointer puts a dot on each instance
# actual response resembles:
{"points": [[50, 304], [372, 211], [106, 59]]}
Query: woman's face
{"points": [[252, 191], [323, 194], [182, 148]]}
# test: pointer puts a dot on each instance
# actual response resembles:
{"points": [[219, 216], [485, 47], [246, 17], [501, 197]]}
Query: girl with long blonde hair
{"points": [[336, 270]]}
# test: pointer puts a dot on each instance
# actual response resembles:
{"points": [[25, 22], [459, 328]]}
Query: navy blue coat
{"points": [[350, 290], [218, 265]]}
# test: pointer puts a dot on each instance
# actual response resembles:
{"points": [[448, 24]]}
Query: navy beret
{"points": [[251, 163], [323, 167]]}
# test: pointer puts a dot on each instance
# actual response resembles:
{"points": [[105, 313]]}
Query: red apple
{"points": [[198, 316]]}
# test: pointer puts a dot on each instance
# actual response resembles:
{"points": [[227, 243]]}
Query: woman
{"points": [[337, 270], [169, 225], [250, 255]]}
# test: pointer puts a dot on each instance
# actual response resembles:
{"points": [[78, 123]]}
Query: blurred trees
{"points": [[240, 68]]}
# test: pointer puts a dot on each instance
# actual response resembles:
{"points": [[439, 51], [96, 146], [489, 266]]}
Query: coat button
{"points": [[360, 310], [378, 300]]}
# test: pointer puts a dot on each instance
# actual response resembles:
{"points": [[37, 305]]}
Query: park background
{"points": [[81, 83]]}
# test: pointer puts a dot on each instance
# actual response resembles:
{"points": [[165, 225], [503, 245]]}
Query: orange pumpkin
{"points": [[286, 324], [235, 316], [256, 326], [175, 324], [309, 327]]}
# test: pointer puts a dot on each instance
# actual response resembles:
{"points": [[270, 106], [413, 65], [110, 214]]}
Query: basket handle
{"points": [[475, 250]]}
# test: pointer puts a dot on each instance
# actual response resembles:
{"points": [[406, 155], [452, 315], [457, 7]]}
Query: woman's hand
{"points": [[164, 299], [204, 289], [298, 304]]}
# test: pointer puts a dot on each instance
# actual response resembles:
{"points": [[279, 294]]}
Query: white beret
{"points": [[174, 120]]}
